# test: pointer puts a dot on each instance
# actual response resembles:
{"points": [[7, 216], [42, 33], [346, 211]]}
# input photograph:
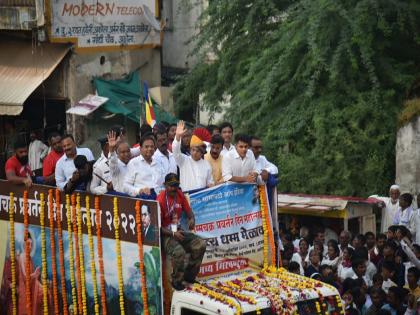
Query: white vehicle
{"points": [[288, 294]]}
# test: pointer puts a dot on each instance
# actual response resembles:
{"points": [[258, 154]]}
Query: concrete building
{"points": [[69, 57]]}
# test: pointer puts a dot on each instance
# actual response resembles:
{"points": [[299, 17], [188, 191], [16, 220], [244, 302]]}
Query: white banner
{"points": [[93, 23]]}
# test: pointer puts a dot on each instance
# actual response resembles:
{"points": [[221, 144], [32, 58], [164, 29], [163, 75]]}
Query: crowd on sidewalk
{"points": [[375, 274]]}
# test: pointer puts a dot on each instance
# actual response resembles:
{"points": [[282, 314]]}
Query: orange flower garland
{"points": [[61, 252], [81, 254], [141, 259], [100, 255], [76, 245], [27, 253], [268, 231], [92, 256], [118, 252], [53, 260], [44, 255], [213, 294], [12, 251], [71, 255]]}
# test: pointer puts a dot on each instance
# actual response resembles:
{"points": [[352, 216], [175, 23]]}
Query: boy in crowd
{"points": [[226, 131], [388, 272], [412, 286]]}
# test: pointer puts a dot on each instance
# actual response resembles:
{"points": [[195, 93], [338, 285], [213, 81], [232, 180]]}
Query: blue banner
{"points": [[229, 217]]}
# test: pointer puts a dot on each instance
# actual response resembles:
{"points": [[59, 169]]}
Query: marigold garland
{"points": [[44, 254], [213, 294], [118, 252], [141, 259], [61, 252], [71, 255], [27, 254], [268, 231], [12, 251], [100, 255], [76, 246], [53, 251], [81, 254], [92, 256]]}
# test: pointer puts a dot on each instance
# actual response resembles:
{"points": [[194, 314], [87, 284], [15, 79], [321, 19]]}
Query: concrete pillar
{"points": [[408, 157]]}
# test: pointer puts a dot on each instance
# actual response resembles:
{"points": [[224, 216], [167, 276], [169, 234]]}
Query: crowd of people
{"points": [[375, 274], [167, 161], [202, 157]]}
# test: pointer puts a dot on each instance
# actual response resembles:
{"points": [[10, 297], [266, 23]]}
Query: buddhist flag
{"points": [[150, 113]]}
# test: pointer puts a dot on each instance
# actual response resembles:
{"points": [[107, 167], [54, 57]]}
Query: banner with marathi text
{"points": [[229, 217], [132, 283]]}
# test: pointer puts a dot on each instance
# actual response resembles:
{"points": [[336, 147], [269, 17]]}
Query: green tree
{"points": [[322, 81]]}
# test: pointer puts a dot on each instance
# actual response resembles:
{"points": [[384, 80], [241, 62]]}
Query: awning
{"points": [[125, 98], [324, 206], [23, 67]]}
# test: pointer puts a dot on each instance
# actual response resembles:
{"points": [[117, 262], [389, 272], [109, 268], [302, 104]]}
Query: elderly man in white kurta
{"points": [[389, 207], [195, 172]]}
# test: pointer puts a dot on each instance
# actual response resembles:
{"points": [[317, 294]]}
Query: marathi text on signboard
{"points": [[93, 24]]}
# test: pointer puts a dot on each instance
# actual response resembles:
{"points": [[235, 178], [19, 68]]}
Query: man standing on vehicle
{"points": [[177, 242]]}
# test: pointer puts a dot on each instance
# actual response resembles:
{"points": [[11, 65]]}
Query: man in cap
{"points": [[177, 242], [195, 172], [389, 207], [82, 176]]}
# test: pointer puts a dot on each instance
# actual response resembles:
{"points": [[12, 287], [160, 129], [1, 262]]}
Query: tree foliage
{"points": [[321, 81]]}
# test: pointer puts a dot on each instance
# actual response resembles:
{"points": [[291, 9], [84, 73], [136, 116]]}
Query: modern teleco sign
{"points": [[94, 24]]}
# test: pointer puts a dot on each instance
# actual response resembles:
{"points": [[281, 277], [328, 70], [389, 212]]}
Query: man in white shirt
{"points": [[239, 165], [144, 174], [195, 172], [37, 152], [118, 157], [104, 151], [226, 131], [101, 179], [389, 206], [405, 214], [162, 155], [264, 167], [65, 170]]}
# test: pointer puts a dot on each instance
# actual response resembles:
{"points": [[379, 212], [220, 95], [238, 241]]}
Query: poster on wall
{"points": [[93, 24], [229, 217], [131, 274]]}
